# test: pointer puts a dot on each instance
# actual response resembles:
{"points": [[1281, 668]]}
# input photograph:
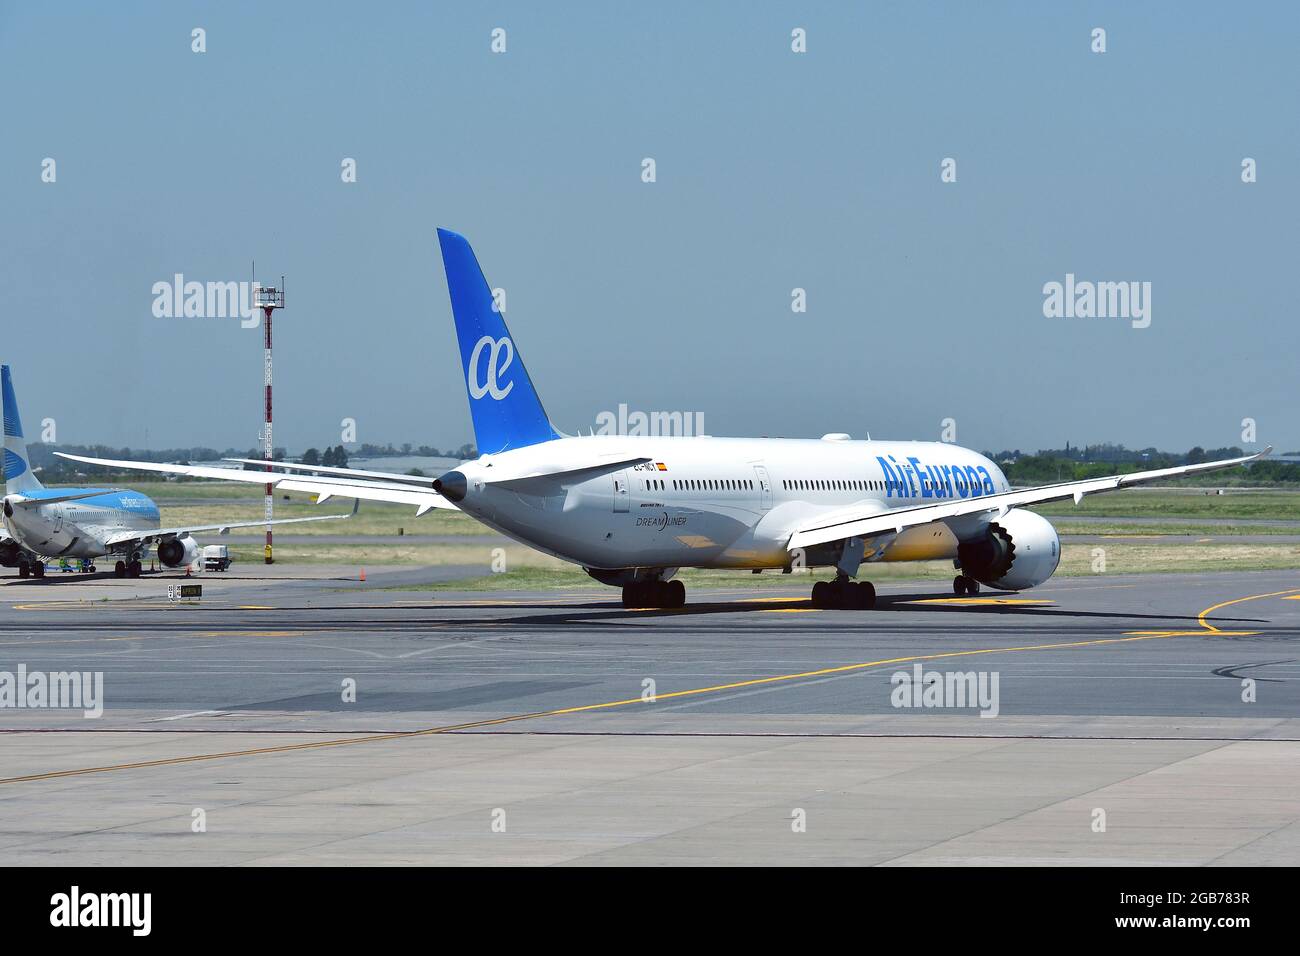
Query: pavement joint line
{"points": [[721, 734], [585, 708]]}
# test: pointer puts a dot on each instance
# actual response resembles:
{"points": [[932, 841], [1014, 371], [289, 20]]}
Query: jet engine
{"points": [[178, 552], [11, 553], [625, 576], [1018, 551]]}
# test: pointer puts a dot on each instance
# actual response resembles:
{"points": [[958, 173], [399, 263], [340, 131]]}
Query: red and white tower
{"points": [[268, 300]]}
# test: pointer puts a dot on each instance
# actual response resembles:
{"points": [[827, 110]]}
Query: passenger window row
{"points": [[700, 484], [747, 484], [832, 484]]}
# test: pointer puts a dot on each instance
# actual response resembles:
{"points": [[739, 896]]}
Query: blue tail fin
{"points": [[18, 470], [502, 401]]}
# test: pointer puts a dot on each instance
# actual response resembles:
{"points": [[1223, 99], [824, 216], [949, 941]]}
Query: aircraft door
{"points": [[621, 492], [764, 487]]}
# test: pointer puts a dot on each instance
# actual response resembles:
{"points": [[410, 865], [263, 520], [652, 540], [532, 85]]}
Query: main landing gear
{"points": [[34, 568], [845, 594], [128, 569], [654, 594], [961, 584]]}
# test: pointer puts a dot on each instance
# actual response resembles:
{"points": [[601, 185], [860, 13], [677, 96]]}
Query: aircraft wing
{"points": [[323, 487], [860, 522], [125, 536]]}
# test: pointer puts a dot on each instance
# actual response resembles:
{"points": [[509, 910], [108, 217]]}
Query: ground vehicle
{"points": [[216, 557]]}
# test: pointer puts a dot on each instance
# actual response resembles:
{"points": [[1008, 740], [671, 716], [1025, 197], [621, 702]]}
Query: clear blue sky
{"points": [[775, 170]]}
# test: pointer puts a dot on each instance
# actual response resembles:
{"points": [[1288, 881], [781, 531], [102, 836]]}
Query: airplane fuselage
{"points": [[79, 529], [717, 502]]}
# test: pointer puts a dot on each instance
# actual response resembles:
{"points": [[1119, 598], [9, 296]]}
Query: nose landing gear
{"points": [[962, 584]]}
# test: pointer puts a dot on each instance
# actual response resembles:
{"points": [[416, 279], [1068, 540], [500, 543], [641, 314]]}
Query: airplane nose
{"points": [[452, 486]]}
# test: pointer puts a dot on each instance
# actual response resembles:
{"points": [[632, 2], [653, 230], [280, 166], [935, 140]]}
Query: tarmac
{"points": [[295, 715]]}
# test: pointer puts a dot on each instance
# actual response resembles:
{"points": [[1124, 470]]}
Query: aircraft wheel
{"points": [[866, 594], [633, 595], [24, 570], [820, 595], [972, 586], [133, 569], [848, 595], [119, 569], [38, 570], [676, 594], [959, 584]]}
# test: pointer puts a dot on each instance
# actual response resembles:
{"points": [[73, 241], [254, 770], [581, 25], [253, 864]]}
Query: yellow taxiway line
{"points": [[1201, 618]]}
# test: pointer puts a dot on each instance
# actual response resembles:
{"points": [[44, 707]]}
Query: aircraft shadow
{"points": [[613, 613]]}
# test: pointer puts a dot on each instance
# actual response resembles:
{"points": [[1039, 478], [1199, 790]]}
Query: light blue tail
{"points": [[18, 470], [502, 401]]}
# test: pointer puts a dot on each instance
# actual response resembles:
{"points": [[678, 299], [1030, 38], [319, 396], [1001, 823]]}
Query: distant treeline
{"points": [[1099, 461]]}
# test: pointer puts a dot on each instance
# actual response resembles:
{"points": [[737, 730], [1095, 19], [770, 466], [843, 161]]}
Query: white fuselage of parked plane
{"points": [[716, 502], [80, 529]]}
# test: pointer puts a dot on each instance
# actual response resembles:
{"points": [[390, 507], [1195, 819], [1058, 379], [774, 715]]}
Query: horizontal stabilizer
{"points": [[423, 499], [341, 472], [508, 476]]}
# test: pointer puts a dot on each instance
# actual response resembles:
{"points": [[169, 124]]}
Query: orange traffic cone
{"points": [[363, 574]]}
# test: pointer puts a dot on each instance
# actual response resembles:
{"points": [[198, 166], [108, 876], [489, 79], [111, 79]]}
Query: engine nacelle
{"points": [[625, 576], [178, 552], [10, 553], [1019, 551]]}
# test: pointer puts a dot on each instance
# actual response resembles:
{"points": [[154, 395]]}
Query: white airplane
{"points": [[86, 523], [633, 510]]}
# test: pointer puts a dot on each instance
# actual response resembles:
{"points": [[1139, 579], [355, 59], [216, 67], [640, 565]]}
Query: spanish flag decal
{"points": [[661, 466]]}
